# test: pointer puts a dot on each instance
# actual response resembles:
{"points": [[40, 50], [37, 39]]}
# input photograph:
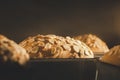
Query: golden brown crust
{"points": [[52, 46], [113, 56], [95, 43], [9, 50]]}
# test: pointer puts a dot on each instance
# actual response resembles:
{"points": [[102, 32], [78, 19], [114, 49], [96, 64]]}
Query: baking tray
{"points": [[50, 69], [60, 69], [98, 54], [106, 71]]}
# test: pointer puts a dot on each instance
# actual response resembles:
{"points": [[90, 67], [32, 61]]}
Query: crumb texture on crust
{"points": [[94, 42], [52, 46], [113, 56], [11, 51]]}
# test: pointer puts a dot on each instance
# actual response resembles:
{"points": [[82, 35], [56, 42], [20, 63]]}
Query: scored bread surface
{"points": [[113, 56]]}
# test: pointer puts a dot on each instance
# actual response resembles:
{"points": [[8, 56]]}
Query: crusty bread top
{"points": [[115, 51], [9, 50], [113, 56], [95, 43], [52, 46]]}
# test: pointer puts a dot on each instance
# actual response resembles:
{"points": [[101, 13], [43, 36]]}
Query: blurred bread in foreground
{"points": [[95, 43], [52, 46], [11, 51], [112, 57]]}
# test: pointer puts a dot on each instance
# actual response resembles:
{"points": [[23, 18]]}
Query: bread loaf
{"points": [[52, 46], [95, 43], [112, 57], [11, 51]]}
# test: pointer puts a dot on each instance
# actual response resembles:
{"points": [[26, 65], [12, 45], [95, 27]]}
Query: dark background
{"points": [[20, 19]]}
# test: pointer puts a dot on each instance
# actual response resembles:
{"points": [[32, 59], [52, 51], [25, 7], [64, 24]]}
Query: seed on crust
{"points": [[56, 47]]}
